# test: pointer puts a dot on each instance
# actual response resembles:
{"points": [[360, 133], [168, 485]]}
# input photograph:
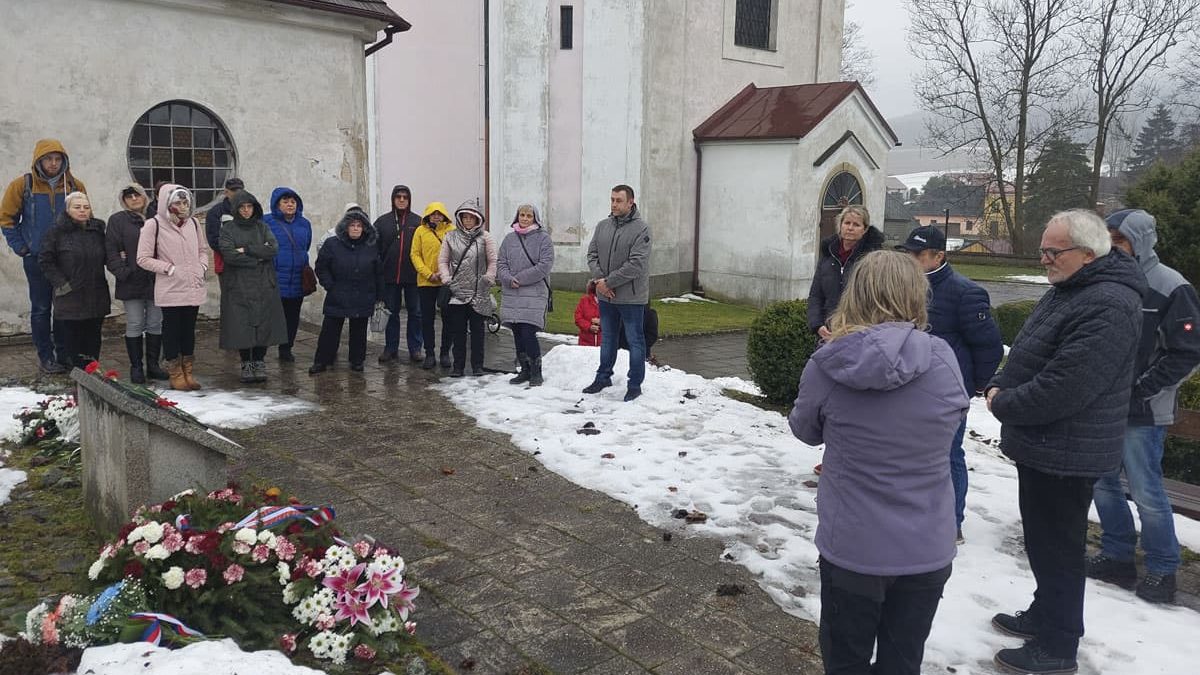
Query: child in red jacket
{"points": [[587, 318]]}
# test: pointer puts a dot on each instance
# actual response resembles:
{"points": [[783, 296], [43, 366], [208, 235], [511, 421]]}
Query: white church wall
{"points": [[287, 83]]}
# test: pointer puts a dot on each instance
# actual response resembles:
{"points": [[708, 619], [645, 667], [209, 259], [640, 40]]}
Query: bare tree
{"points": [[858, 61], [1123, 41], [997, 81]]}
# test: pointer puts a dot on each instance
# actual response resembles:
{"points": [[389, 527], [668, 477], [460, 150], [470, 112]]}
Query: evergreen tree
{"points": [[1060, 179], [1171, 193], [1155, 142]]}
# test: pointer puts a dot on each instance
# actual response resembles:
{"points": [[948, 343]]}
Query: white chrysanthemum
{"points": [[387, 624], [134, 536], [267, 537], [338, 558], [247, 536], [157, 552], [95, 569], [152, 532], [289, 594], [173, 578], [320, 643], [33, 623], [285, 573]]}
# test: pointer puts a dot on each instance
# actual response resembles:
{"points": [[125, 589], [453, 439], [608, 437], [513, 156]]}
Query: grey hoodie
{"points": [[886, 402], [620, 254]]}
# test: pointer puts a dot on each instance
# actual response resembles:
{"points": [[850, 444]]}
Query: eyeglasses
{"points": [[1053, 253]]}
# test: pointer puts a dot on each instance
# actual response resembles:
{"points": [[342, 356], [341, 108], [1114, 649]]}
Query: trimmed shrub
{"points": [[1181, 460], [1189, 393], [1011, 316], [778, 346]]}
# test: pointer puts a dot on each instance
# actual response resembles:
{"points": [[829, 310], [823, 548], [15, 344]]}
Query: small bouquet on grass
{"points": [[52, 426], [139, 392]]}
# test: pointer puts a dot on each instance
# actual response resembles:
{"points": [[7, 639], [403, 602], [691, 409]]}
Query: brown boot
{"points": [[188, 362], [176, 376]]}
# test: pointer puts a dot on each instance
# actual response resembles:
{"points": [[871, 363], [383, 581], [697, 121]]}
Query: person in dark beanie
{"points": [[396, 230], [960, 312], [1062, 400], [348, 269], [212, 219], [135, 286], [1168, 353]]}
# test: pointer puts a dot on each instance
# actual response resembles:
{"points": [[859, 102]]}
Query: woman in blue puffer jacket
{"points": [[294, 234]]}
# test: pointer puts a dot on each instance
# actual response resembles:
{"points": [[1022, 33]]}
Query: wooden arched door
{"points": [[841, 191]]}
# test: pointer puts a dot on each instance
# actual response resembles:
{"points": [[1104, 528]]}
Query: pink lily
{"points": [[404, 600], [379, 585], [353, 607], [345, 581]]}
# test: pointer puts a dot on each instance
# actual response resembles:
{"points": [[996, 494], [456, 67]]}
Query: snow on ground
{"points": [[239, 409], [687, 297], [1028, 278], [741, 466], [12, 400], [211, 657]]}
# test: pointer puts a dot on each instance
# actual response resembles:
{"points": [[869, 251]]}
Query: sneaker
{"points": [[430, 362], [259, 368], [632, 393], [52, 367], [1120, 572], [1157, 588], [1033, 660], [317, 368], [596, 386], [1018, 625], [388, 356]]}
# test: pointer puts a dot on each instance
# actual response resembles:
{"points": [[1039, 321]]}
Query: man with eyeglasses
{"points": [[1062, 400]]}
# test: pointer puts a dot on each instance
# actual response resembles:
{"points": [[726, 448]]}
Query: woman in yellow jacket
{"points": [[426, 244]]}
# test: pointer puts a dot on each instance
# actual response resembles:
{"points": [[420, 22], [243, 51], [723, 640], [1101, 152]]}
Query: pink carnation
{"points": [[325, 622], [364, 653], [233, 573], [261, 553], [287, 642], [141, 547], [361, 548], [195, 577], [285, 549], [411, 627], [313, 569], [224, 527], [173, 542]]}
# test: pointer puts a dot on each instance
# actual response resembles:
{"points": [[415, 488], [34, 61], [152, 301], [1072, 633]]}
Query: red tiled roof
{"points": [[371, 9], [779, 112]]}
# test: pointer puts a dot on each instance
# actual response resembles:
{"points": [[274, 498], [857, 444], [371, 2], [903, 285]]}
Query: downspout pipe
{"points": [[696, 287], [487, 114], [389, 31]]}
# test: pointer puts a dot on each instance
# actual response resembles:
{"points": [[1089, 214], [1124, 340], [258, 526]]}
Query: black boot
{"points": [[133, 346], [523, 375], [535, 372], [154, 371]]}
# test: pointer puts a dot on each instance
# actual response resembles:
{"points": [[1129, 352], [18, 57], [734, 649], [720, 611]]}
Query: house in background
{"points": [[898, 219]]}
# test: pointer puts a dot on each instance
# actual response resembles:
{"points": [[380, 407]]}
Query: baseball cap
{"points": [[924, 238]]}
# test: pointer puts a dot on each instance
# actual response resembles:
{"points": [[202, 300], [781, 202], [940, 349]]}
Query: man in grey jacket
{"points": [[619, 260]]}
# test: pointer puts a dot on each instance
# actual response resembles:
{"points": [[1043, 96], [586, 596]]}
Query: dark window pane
{"points": [[566, 26], [752, 24], [202, 157], [185, 178], [183, 158], [200, 118], [142, 176], [181, 138], [163, 174], [220, 176], [204, 178], [218, 139], [160, 115], [180, 114], [160, 157], [160, 137], [139, 156], [140, 136], [202, 138], [221, 157]]}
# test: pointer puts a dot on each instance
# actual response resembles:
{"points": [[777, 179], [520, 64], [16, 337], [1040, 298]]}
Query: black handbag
{"points": [[444, 293]]}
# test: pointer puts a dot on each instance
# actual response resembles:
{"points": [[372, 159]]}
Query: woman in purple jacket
{"points": [[886, 398]]}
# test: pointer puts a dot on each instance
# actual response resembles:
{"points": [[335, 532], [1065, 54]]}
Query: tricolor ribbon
{"points": [[267, 517], [156, 624]]}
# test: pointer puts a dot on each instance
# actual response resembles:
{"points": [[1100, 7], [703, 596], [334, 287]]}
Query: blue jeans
{"points": [[397, 297], [611, 317], [958, 473], [48, 335], [1142, 463]]}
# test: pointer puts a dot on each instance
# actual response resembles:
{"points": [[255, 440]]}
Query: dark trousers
{"points": [[1054, 516], [861, 613], [179, 331], [428, 300], [459, 319], [331, 337], [48, 335], [83, 339], [525, 339], [397, 297], [253, 354], [291, 314]]}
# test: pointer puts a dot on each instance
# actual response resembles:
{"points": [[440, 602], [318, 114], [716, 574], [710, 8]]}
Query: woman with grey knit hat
{"points": [[467, 265], [135, 286]]}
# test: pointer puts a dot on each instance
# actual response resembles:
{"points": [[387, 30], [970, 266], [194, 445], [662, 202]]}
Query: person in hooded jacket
{"points": [[135, 286], [348, 269], [251, 309], [172, 245], [523, 268], [886, 398], [294, 233], [427, 244], [72, 259], [29, 208], [587, 318], [854, 239], [467, 264], [396, 229]]}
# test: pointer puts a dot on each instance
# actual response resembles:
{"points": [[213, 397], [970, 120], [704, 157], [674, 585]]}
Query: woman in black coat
{"points": [[854, 239], [135, 286], [348, 268], [72, 258]]}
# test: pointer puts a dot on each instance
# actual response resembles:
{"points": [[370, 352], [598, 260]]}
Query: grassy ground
{"points": [[674, 318], [996, 272]]}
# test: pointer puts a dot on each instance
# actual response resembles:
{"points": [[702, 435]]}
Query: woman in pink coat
{"points": [[172, 246]]}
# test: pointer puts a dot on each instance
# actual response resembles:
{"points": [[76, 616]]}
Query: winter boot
{"points": [[524, 374], [535, 372], [188, 362], [1020, 625], [286, 355], [1157, 588], [259, 370], [247, 375], [445, 359], [1033, 659], [430, 362], [175, 371], [133, 346], [153, 351], [1123, 573]]}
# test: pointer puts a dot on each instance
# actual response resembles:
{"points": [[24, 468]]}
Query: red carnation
{"points": [[125, 530], [91, 367], [294, 528], [112, 374], [164, 403], [133, 568], [169, 504]]}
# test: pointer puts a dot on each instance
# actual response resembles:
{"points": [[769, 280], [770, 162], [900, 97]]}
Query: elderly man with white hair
{"points": [[1062, 400]]}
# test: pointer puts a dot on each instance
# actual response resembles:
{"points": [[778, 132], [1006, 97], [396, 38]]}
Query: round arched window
{"points": [[843, 191], [181, 142]]}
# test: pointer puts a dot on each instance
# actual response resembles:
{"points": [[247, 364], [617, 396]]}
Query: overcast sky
{"points": [[885, 29]]}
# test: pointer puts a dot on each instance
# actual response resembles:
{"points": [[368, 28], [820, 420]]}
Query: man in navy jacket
{"points": [[960, 313]]}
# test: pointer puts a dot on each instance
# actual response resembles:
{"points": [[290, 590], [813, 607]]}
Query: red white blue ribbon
{"points": [[156, 624], [267, 517]]}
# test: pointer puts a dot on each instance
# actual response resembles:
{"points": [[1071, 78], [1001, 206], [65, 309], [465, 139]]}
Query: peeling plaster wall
{"points": [[288, 83]]}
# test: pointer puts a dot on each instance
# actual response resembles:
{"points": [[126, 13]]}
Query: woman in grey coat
{"points": [[523, 270], [251, 311]]}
